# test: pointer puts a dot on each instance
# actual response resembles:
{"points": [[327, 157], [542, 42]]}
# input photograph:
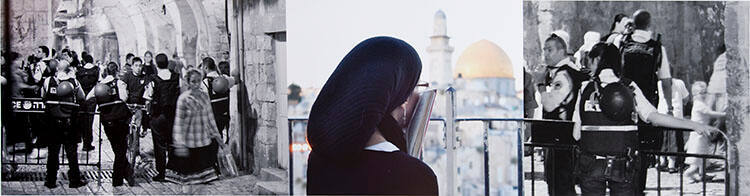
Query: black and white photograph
{"points": [[143, 97], [635, 98]]}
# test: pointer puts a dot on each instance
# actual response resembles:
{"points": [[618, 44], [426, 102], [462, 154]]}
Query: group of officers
{"points": [[609, 90], [142, 92]]}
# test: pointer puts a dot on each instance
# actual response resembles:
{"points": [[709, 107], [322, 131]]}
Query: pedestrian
{"points": [[38, 70], [161, 95], [673, 139], [62, 95], [358, 146], [619, 28], [218, 91], [645, 62], [149, 68], [88, 75], [127, 68], [717, 98], [605, 120], [699, 143], [110, 94], [589, 39], [136, 81], [562, 80], [195, 137]]}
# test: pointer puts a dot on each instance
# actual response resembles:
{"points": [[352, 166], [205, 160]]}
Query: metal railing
{"points": [[572, 147], [449, 128], [451, 148], [36, 109]]}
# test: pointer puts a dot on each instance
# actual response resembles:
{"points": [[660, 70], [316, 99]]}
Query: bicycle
{"points": [[135, 134]]}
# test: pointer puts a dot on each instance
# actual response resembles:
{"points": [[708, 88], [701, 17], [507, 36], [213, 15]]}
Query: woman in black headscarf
{"points": [[357, 145]]}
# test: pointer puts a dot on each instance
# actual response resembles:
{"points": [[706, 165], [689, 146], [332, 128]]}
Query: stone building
{"points": [[440, 52], [484, 82], [251, 35], [484, 85], [690, 31]]}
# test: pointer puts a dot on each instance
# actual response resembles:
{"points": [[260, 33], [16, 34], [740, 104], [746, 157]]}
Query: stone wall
{"points": [[189, 28], [737, 22], [263, 25], [691, 31], [29, 25]]}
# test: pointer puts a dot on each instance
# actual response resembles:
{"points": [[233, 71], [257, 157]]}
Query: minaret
{"points": [[440, 69]]}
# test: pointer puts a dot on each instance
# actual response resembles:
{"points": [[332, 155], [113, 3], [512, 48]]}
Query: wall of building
{"points": [[691, 31], [263, 27], [737, 22], [29, 24]]}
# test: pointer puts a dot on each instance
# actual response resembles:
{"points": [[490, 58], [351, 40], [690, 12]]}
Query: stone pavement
{"points": [[670, 183], [30, 178], [242, 185]]}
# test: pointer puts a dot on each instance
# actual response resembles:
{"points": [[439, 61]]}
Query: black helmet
{"points": [[617, 102]]}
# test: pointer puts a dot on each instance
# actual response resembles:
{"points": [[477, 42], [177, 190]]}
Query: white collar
{"points": [[213, 73], [107, 79], [164, 74], [384, 146], [641, 35], [607, 76], [567, 61], [65, 75], [88, 66]]}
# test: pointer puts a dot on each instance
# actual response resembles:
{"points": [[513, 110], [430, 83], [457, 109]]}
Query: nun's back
{"points": [[374, 173]]}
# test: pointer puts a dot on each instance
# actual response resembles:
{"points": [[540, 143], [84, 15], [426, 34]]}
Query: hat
{"points": [[589, 40], [565, 37], [374, 78]]}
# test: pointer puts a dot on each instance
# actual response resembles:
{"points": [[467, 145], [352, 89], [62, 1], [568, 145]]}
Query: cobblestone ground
{"points": [[33, 182], [243, 185], [670, 183]]}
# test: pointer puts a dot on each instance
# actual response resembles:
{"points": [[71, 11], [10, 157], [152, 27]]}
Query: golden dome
{"points": [[483, 59]]}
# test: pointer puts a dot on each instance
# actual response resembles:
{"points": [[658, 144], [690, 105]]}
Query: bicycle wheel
{"points": [[133, 145]]}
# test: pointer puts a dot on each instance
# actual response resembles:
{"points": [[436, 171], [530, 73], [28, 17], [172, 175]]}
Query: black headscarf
{"points": [[373, 79]]}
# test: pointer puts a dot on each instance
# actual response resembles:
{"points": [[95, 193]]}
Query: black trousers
{"points": [[117, 132], [558, 172], [650, 139], [161, 135], [595, 179], [71, 152], [222, 121], [84, 124]]}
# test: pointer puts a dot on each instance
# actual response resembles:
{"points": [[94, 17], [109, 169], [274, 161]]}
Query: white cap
{"points": [[589, 40], [565, 37]]}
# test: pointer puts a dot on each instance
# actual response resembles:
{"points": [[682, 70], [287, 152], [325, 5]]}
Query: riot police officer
{"points": [[62, 93], [606, 118], [111, 94]]}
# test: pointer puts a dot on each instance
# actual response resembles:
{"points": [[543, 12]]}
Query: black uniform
{"points": [[33, 128], [88, 79], [607, 155], [163, 108], [219, 104], [149, 69], [641, 61], [60, 113], [558, 163], [136, 86], [115, 116]]}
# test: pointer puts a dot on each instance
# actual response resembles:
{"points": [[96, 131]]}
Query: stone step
{"points": [[273, 174], [272, 188]]}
